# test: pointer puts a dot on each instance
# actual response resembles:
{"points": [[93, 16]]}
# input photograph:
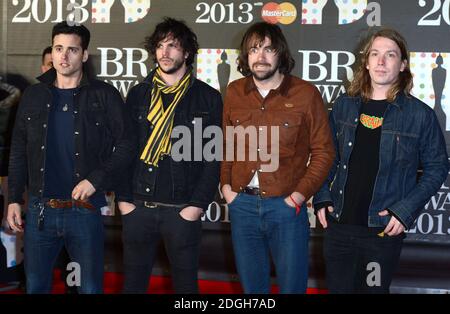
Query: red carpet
{"points": [[160, 285]]}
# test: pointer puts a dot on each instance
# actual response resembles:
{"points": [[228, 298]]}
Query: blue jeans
{"points": [[80, 230], [263, 227]]}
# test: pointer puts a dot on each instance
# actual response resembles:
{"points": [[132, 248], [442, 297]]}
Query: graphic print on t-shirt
{"points": [[371, 122]]}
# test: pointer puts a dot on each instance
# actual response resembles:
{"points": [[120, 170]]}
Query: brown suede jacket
{"points": [[306, 150]]}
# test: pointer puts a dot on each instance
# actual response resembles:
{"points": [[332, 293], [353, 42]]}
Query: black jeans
{"points": [[349, 251], [143, 229]]}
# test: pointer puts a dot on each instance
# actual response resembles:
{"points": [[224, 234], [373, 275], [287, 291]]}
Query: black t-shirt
{"points": [[363, 164]]}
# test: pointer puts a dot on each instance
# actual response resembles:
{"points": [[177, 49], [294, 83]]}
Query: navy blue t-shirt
{"points": [[59, 158]]}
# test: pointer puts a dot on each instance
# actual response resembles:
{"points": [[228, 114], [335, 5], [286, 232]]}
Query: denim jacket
{"points": [[411, 138]]}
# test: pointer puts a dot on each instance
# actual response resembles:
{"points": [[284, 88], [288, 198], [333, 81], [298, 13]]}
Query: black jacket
{"points": [[101, 136], [194, 182]]}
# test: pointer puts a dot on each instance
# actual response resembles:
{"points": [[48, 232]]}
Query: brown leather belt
{"points": [[251, 191], [58, 203]]}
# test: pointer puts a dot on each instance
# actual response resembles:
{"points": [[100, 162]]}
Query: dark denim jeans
{"points": [[80, 230], [349, 249], [142, 231], [269, 227]]}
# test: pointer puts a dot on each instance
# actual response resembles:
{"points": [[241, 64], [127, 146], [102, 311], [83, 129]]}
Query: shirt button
{"points": [[77, 154], [147, 190], [345, 167], [259, 149], [264, 192], [237, 121], [356, 120], [44, 126], [48, 105], [42, 147], [29, 118], [262, 108], [77, 175], [75, 112], [260, 129], [340, 192], [97, 124], [77, 133], [42, 169], [337, 215], [150, 169], [350, 144]]}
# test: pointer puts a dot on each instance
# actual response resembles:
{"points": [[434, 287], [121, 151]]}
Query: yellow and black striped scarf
{"points": [[159, 142]]}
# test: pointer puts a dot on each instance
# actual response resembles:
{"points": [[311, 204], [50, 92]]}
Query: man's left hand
{"points": [[394, 226], [83, 190], [298, 198], [191, 213]]}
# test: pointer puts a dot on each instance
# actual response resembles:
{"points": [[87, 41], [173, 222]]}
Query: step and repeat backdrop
{"points": [[324, 38]]}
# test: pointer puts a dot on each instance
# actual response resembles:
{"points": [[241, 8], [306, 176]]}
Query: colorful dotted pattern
{"points": [[422, 65], [135, 10], [349, 10], [209, 59]]}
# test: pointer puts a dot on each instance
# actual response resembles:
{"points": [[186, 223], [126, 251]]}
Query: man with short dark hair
{"points": [[268, 206], [168, 194], [70, 137]]}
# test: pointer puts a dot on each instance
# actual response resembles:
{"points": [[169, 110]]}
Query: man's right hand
{"points": [[228, 194], [323, 216], [126, 208], [14, 217]]}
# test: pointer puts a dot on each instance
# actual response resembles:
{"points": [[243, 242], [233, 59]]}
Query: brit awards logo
{"points": [[431, 85], [217, 67], [430, 79]]}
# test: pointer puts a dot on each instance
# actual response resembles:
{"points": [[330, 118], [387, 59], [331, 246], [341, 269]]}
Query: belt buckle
{"points": [[53, 203], [150, 204]]}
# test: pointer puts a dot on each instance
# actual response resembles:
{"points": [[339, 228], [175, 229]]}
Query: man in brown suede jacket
{"points": [[267, 179]]}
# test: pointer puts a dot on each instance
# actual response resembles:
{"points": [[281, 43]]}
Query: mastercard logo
{"points": [[284, 13]]}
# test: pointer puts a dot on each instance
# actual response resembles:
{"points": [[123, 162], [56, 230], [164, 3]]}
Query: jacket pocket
{"points": [[33, 125], [289, 128], [240, 118], [406, 149]]}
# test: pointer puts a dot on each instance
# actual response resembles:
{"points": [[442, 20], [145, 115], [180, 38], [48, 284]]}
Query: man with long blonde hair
{"points": [[382, 134]]}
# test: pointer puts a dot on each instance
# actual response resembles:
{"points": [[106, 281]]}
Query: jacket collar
{"points": [[49, 78], [398, 102], [283, 88]]}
